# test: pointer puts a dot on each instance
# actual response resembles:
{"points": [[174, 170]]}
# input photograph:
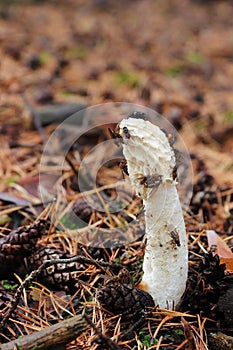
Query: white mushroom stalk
{"points": [[151, 167]]}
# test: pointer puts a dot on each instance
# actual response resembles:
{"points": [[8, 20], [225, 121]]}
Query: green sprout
{"points": [[79, 52], [195, 57], [228, 116], [44, 57], [128, 78], [146, 339], [174, 71], [7, 285]]}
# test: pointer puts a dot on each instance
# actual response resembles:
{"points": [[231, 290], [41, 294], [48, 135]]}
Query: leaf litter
{"points": [[189, 83]]}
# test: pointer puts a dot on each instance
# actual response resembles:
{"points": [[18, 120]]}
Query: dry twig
{"points": [[60, 333]]}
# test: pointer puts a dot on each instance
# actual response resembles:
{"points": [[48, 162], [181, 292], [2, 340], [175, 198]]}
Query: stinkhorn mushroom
{"points": [[152, 171]]}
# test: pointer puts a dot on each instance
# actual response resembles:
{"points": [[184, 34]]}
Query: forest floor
{"points": [[173, 57]]}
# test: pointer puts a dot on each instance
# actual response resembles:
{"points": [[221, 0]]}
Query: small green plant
{"points": [[79, 52], [45, 57], [146, 339], [67, 221], [118, 260], [66, 93], [128, 78], [12, 179], [174, 71], [179, 331], [4, 219], [228, 116], [201, 125], [9, 286], [195, 57]]}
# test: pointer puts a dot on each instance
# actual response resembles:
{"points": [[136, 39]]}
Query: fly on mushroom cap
{"points": [[126, 132]]}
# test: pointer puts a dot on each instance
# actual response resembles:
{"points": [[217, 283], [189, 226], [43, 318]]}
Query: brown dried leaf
{"points": [[222, 249]]}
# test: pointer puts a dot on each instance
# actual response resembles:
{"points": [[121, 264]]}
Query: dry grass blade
{"points": [[188, 334], [106, 341]]}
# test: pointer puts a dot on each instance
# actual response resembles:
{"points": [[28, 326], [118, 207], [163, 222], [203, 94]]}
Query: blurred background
{"points": [[173, 56]]}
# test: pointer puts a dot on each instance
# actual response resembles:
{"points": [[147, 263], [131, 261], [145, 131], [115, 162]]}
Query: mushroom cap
{"points": [[150, 157]]}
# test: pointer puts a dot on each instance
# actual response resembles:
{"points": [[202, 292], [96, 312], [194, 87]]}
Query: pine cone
{"points": [[220, 341], [211, 268], [205, 287], [59, 275], [225, 303], [119, 296], [18, 245]]}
